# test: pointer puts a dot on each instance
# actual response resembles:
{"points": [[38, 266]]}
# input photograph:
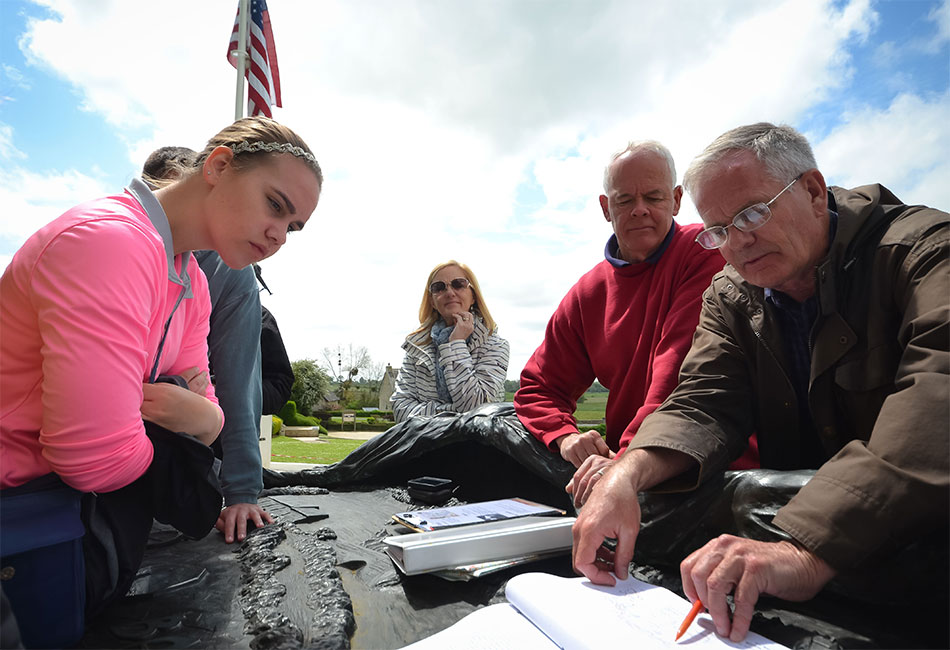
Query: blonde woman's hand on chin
{"points": [[464, 326]]}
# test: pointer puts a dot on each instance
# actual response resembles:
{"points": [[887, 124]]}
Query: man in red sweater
{"points": [[628, 322]]}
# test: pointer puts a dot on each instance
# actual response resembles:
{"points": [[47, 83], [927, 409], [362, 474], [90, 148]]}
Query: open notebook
{"points": [[546, 611]]}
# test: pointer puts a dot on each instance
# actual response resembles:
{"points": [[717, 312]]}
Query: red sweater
{"points": [[629, 327]]}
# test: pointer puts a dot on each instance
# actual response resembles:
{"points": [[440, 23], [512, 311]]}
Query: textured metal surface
{"points": [[321, 579]]}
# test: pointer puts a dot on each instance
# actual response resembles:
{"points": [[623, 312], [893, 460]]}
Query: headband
{"points": [[274, 147]]}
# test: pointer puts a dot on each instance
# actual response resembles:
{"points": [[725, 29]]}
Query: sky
{"points": [[452, 129]]}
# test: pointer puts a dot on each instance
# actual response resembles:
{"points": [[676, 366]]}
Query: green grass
{"points": [[327, 450], [593, 408]]}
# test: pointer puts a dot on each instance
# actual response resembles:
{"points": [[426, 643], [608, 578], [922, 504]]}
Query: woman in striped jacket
{"points": [[454, 360]]}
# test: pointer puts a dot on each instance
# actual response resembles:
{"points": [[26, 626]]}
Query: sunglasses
{"points": [[458, 284]]}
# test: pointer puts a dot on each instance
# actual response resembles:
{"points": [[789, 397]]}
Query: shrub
{"points": [[293, 419], [276, 424]]}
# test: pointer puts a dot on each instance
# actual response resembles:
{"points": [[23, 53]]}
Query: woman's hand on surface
{"points": [[233, 520], [181, 410], [464, 326]]}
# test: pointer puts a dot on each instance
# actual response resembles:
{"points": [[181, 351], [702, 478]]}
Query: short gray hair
{"points": [[635, 146], [783, 151]]}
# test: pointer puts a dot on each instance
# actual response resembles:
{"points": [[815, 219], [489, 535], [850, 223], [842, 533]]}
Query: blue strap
{"points": [[161, 344]]}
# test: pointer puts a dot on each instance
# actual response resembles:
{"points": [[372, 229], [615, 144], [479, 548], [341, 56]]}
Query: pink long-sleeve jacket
{"points": [[82, 307]]}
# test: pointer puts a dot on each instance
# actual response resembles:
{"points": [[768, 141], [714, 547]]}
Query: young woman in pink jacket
{"points": [[104, 390]]}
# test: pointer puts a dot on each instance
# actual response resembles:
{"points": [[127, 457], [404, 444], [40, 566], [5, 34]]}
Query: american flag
{"points": [[263, 79]]}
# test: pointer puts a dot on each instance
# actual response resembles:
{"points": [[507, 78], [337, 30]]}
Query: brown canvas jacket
{"points": [[879, 390]]}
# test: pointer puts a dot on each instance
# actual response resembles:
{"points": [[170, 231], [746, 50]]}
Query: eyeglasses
{"points": [[458, 284], [754, 216]]}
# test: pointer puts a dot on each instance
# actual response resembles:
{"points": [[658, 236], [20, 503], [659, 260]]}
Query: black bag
{"points": [[185, 490]]}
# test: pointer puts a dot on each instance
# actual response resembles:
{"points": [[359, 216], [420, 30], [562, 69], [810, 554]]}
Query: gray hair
{"points": [[636, 146], [783, 151]]}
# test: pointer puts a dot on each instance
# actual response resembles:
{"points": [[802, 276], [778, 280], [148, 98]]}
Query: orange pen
{"points": [[697, 607]]}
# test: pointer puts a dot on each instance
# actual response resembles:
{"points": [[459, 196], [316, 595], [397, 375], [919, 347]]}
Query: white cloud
{"points": [[420, 125], [940, 17], [133, 64], [903, 147], [8, 150], [434, 120], [926, 39], [15, 77], [31, 199]]}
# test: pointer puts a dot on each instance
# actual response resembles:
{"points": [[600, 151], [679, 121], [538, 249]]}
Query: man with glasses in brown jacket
{"points": [[827, 335]]}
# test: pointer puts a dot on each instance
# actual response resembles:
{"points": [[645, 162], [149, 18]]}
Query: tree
{"points": [[340, 362], [373, 371], [310, 385], [512, 385]]}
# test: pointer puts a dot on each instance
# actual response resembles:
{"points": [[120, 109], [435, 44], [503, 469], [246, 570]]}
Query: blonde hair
{"points": [[428, 315], [247, 131]]}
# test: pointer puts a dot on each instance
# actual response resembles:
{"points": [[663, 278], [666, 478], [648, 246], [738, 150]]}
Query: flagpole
{"points": [[241, 57]]}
